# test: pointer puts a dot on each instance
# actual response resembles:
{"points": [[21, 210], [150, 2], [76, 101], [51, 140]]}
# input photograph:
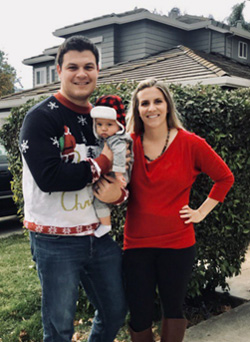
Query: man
{"points": [[59, 167]]}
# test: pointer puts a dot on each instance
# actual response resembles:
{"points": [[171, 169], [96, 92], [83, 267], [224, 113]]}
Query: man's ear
{"points": [[58, 69]]}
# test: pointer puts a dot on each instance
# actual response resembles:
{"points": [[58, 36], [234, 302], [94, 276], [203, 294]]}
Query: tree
{"points": [[7, 76], [174, 13], [237, 16]]}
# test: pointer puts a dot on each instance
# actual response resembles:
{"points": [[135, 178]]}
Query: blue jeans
{"points": [[65, 262]]}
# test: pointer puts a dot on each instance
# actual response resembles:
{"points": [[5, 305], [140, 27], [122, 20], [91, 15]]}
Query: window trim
{"points": [[45, 76], [242, 46], [52, 67]]}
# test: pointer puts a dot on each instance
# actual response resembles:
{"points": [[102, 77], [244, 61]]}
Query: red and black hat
{"points": [[109, 107]]}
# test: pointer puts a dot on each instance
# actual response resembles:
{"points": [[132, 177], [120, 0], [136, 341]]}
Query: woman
{"points": [[159, 238]]}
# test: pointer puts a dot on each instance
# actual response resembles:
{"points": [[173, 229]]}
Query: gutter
{"points": [[225, 81], [38, 59], [8, 104]]}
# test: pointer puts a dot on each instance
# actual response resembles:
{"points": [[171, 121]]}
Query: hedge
{"points": [[222, 118]]}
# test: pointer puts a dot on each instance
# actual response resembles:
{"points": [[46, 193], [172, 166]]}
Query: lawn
{"points": [[20, 295], [19, 292]]}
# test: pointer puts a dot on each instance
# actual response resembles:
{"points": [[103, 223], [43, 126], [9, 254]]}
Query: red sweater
{"points": [[158, 190]]}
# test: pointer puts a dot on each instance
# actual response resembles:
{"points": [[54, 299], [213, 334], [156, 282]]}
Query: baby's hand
{"points": [[119, 176]]}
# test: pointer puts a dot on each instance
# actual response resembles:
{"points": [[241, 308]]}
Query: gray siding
{"points": [[132, 41], [198, 40], [160, 37], [228, 45], [142, 38], [108, 46], [217, 42]]}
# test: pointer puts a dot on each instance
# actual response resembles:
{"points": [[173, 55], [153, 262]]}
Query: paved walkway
{"points": [[231, 326]]}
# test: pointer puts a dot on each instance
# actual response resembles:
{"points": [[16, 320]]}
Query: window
{"points": [[242, 50], [40, 76], [52, 74]]}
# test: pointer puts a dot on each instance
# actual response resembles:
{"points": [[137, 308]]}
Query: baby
{"points": [[109, 126]]}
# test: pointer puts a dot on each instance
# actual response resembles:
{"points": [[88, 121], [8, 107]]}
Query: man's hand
{"points": [[108, 189]]}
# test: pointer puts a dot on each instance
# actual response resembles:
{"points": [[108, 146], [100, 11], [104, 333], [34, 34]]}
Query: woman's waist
{"points": [[141, 224]]}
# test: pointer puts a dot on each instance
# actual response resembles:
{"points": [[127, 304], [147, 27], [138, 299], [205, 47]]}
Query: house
{"points": [[138, 44], [139, 33]]}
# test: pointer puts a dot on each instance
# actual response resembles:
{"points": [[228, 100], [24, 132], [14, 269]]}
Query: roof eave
{"points": [[239, 32], [37, 59], [11, 103], [226, 81]]}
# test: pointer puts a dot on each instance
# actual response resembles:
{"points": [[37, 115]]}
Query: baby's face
{"points": [[106, 127]]}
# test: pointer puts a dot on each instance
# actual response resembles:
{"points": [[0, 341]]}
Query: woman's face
{"points": [[152, 107]]}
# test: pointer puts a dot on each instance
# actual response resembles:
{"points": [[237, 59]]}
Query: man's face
{"points": [[78, 76]]}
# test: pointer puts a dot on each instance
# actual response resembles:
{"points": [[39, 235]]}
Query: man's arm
{"points": [[39, 144]]}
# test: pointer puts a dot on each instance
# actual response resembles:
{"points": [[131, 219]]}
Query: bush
{"points": [[222, 118]]}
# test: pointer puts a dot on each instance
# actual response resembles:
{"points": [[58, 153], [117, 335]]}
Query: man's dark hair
{"points": [[76, 43]]}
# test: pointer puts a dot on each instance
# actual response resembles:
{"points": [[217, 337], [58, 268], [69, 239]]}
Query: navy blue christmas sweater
{"points": [[59, 166]]}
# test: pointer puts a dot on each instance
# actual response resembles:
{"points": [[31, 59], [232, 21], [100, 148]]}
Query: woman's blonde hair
{"points": [[133, 120]]}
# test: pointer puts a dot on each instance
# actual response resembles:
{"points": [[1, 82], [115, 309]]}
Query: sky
{"points": [[27, 26]]}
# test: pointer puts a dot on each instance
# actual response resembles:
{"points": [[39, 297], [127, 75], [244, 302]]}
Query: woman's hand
{"points": [[198, 215], [191, 215], [108, 189]]}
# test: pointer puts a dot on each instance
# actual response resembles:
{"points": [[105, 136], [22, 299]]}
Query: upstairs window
{"points": [[242, 50], [52, 74], [40, 76]]}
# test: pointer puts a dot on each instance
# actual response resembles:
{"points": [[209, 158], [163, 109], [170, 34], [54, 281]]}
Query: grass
{"points": [[19, 291], [20, 297]]}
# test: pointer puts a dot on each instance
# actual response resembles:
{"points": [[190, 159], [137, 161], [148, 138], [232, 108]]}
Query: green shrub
{"points": [[222, 118], [9, 136]]}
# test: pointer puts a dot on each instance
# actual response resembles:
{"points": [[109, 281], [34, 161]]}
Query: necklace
{"points": [[163, 150]]}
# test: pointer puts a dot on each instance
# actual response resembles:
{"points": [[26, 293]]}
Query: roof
{"points": [[191, 19], [178, 65], [175, 65], [185, 22]]}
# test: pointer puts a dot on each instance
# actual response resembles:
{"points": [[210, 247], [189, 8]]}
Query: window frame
{"points": [[52, 67], [42, 69], [242, 50]]}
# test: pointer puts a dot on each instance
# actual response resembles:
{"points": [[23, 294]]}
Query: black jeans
{"points": [[147, 268]]}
